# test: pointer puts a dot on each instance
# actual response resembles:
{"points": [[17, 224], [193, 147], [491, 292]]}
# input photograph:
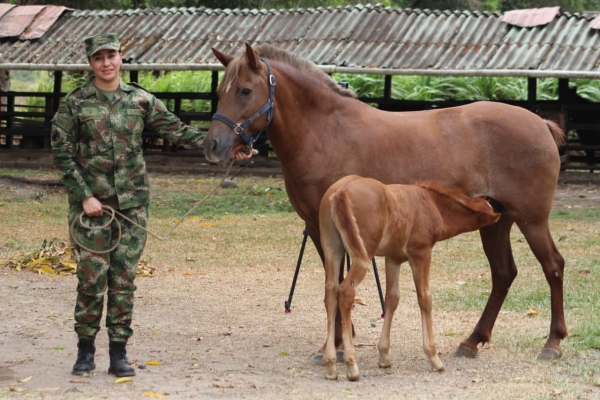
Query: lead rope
{"points": [[113, 212]]}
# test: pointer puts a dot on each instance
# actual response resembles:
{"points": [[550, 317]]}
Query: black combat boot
{"points": [[119, 365], [85, 357]]}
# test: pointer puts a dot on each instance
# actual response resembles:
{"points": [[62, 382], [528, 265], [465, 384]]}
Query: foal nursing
{"points": [[366, 218]]}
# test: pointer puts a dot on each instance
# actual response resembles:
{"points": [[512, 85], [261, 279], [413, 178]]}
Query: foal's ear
{"points": [[253, 58], [225, 59]]}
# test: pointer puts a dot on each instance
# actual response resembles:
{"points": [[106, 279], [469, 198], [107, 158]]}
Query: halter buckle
{"points": [[237, 128]]}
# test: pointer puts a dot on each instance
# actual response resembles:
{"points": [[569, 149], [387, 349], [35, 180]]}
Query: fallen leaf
{"points": [[217, 385], [125, 379], [210, 224], [25, 379], [154, 394], [284, 353], [152, 362], [531, 312], [79, 381], [17, 389], [51, 389], [584, 271]]}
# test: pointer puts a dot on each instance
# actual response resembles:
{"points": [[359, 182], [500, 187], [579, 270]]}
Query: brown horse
{"points": [[365, 218], [321, 133]]}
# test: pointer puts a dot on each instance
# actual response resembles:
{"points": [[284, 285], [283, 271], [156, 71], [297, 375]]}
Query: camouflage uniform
{"points": [[97, 146]]}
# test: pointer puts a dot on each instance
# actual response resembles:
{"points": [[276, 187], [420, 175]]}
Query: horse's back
{"points": [[483, 148]]}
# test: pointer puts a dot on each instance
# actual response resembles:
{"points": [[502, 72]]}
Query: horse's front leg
{"points": [[392, 297], [347, 294], [420, 263]]}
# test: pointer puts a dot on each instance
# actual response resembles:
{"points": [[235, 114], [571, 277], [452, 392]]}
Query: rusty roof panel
{"points": [[17, 19], [530, 17], [42, 22], [4, 8]]}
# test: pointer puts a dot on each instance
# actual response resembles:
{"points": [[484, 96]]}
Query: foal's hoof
{"points": [[464, 351], [548, 353], [318, 358]]}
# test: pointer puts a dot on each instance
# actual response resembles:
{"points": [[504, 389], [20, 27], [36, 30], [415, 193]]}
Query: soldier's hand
{"points": [[92, 207]]}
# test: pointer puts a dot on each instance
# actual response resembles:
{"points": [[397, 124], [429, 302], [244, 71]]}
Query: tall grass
{"points": [[412, 88]]}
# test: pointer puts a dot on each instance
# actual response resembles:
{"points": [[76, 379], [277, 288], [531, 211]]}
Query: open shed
{"points": [[369, 39]]}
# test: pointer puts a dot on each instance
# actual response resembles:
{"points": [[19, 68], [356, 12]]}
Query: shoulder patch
{"points": [[71, 92], [137, 85]]}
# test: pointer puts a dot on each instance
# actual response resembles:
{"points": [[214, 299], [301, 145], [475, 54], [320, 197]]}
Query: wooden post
{"points": [[387, 87], [134, 76], [531, 91], [214, 103]]}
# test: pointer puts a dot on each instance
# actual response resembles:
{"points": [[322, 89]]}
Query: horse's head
{"points": [[245, 104]]}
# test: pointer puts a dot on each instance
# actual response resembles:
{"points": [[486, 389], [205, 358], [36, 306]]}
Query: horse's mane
{"points": [[277, 54], [455, 194]]}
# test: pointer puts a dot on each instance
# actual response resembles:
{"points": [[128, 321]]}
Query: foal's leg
{"points": [[392, 297], [332, 271], [420, 263], [539, 239], [496, 244], [347, 294]]}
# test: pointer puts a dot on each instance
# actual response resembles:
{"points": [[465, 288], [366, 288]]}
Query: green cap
{"points": [[100, 42]]}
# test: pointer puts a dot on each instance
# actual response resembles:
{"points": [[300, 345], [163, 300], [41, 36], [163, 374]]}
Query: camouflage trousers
{"points": [[112, 272]]}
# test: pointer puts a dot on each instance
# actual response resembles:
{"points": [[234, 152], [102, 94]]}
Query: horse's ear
{"points": [[223, 58], [253, 58]]}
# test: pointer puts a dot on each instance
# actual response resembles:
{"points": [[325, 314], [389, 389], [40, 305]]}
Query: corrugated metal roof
{"points": [[362, 39]]}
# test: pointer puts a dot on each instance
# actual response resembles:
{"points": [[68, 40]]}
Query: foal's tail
{"points": [[557, 132], [345, 222]]}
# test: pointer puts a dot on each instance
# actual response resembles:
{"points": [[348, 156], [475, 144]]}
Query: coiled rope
{"points": [[113, 213]]}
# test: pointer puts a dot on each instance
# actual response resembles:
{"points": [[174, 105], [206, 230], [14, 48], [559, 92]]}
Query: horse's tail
{"points": [[557, 132], [345, 222]]}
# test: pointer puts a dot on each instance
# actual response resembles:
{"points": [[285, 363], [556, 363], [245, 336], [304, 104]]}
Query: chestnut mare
{"points": [[320, 132], [366, 218]]}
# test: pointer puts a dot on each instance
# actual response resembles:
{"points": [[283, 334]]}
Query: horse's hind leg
{"points": [[347, 294], [496, 245], [539, 239]]}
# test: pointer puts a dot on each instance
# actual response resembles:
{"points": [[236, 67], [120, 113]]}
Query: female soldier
{"points": [[96, 142]]}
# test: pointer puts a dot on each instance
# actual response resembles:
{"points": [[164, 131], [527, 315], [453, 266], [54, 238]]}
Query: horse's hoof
{"points": [[464, 351], [318, 358], [331, 372], [548, 353], [352, 373]]}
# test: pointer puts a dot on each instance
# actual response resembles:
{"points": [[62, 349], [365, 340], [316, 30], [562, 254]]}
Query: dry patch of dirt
{"points": [[216, 324]]}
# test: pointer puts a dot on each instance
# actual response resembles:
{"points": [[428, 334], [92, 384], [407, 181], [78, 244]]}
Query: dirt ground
{"points": [[224, 336]]}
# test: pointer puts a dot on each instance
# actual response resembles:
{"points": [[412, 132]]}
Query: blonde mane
{"points": [[277, 54]]}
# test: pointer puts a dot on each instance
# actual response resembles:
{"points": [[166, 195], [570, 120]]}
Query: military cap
{"points": [[100, 42]]}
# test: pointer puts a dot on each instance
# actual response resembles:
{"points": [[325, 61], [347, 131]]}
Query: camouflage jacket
{"points": [[97, 144]]}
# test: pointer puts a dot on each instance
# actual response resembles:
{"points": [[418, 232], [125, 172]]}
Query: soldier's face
{"points": [[106, 65]]}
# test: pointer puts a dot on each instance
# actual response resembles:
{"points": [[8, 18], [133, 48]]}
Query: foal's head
{"points": [[455, 201]]}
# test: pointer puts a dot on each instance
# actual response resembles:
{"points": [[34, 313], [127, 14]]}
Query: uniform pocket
{"points": [[95, 138], [135, 126]]}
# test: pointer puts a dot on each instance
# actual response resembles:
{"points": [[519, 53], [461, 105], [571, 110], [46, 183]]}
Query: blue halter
{"points": [[239, 128]]}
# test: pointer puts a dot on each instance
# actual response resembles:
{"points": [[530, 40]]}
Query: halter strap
{"points": [[240, 127]]}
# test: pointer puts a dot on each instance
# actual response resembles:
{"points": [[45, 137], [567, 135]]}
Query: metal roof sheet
{"points": [[358, 39], [530, 17]]}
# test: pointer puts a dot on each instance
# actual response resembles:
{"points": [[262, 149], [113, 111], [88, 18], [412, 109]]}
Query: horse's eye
{"points": [[246, 92]]}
